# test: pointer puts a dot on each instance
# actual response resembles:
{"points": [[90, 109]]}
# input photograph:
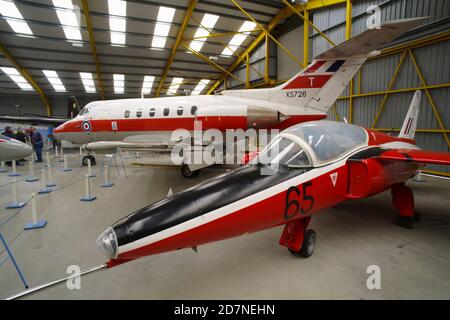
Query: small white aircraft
{"points": [[12, 149], [107, 125]]}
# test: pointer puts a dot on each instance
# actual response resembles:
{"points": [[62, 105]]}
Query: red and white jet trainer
{"points": [[320, 164], [305, 97]]}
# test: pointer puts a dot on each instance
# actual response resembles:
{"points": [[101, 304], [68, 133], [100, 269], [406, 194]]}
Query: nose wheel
{"points": [[188, 173], [299, 240], [308, 245]]}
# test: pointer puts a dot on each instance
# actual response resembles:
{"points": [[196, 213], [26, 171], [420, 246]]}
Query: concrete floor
{"points": [[414, 263]]}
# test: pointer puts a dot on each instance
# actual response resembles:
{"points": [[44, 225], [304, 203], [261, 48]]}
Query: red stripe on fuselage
{"points": [[169, 124], [308, 82]]}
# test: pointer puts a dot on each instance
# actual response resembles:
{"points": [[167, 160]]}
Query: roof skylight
{"points": [[208, 22], [119, 83], [162, 27], [147, 84], [174, 85], [238, 38], [88, 82], [117, 22], [17, 78], [68, 18], [200, 86], [14, 18], [54, 80]]}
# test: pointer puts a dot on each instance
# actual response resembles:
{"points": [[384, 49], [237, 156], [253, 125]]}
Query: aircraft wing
{"points": [[34, 120], [418, 156]]}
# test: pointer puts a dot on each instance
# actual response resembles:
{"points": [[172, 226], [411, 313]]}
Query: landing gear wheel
{"points": [[84, 161], [188, 173], [308, 245]]}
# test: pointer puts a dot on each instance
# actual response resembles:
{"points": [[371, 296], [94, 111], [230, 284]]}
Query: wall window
{"points": [[152, 112], [139, 113], [180, 111], [166, 112], [127, 114], [194, 110]]}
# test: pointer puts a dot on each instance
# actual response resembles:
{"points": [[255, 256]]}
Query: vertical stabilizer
{"points": [[410, 124]]}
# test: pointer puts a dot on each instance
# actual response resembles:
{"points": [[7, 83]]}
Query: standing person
{"points": [[20, 135], [38, 143], [8, 132]]}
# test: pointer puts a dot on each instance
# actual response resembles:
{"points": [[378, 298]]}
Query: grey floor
{"points": [[414, 263]]}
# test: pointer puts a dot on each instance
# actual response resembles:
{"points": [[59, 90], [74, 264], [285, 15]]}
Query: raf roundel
{"points": [[86, 126]]}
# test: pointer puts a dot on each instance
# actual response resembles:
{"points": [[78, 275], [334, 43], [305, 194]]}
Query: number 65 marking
{"points": [[292, 202]]}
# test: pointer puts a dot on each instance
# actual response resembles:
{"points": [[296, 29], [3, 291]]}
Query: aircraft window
{"points": [[284, 151], [194, 110], [139, 113], [328, 139], [152, 112], [127, 114], [82, 112], [180, 111], [166, 111]]}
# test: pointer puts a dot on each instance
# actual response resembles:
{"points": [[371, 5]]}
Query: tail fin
{"points": [[319, 85], [73, 108], [410, 124]]}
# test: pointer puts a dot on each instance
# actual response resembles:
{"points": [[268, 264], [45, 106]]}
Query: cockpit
{"points": [[313, 144], [84, 111]]}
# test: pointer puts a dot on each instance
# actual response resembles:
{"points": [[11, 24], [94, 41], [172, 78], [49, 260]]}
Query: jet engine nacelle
{"points": [[258, 117], [372, 176]]}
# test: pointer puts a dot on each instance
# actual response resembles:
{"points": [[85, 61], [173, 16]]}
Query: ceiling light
{"points": [[162, 27], [68, 18], [174, 85], [147, 84], [200, 86], [54, 80], [15, 76], [14, 18], [119, 83], [208, 22], [88, 82], [117, 22], [238, 38]]}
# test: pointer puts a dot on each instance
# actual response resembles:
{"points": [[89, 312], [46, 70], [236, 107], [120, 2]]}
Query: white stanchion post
{"points": [[44, 189], [15, 204], [47, 155], [61, 158], [81, 151], [50, 182], [31, 177], [106, 183], [87, 187], [14, 172], [90, 174], [35, 222], [138, 155], [66, 165], [2, 167], [418, 177], [56, 152]]}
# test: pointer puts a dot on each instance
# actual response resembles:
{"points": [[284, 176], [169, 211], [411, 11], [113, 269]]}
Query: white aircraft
{"points": [[12, 149], [108, 125]]}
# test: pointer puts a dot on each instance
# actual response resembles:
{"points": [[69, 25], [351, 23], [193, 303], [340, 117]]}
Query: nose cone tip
{"points": [[107, 244]]}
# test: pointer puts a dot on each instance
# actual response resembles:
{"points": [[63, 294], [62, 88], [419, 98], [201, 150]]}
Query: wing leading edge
{"points": [[418, 156]]}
